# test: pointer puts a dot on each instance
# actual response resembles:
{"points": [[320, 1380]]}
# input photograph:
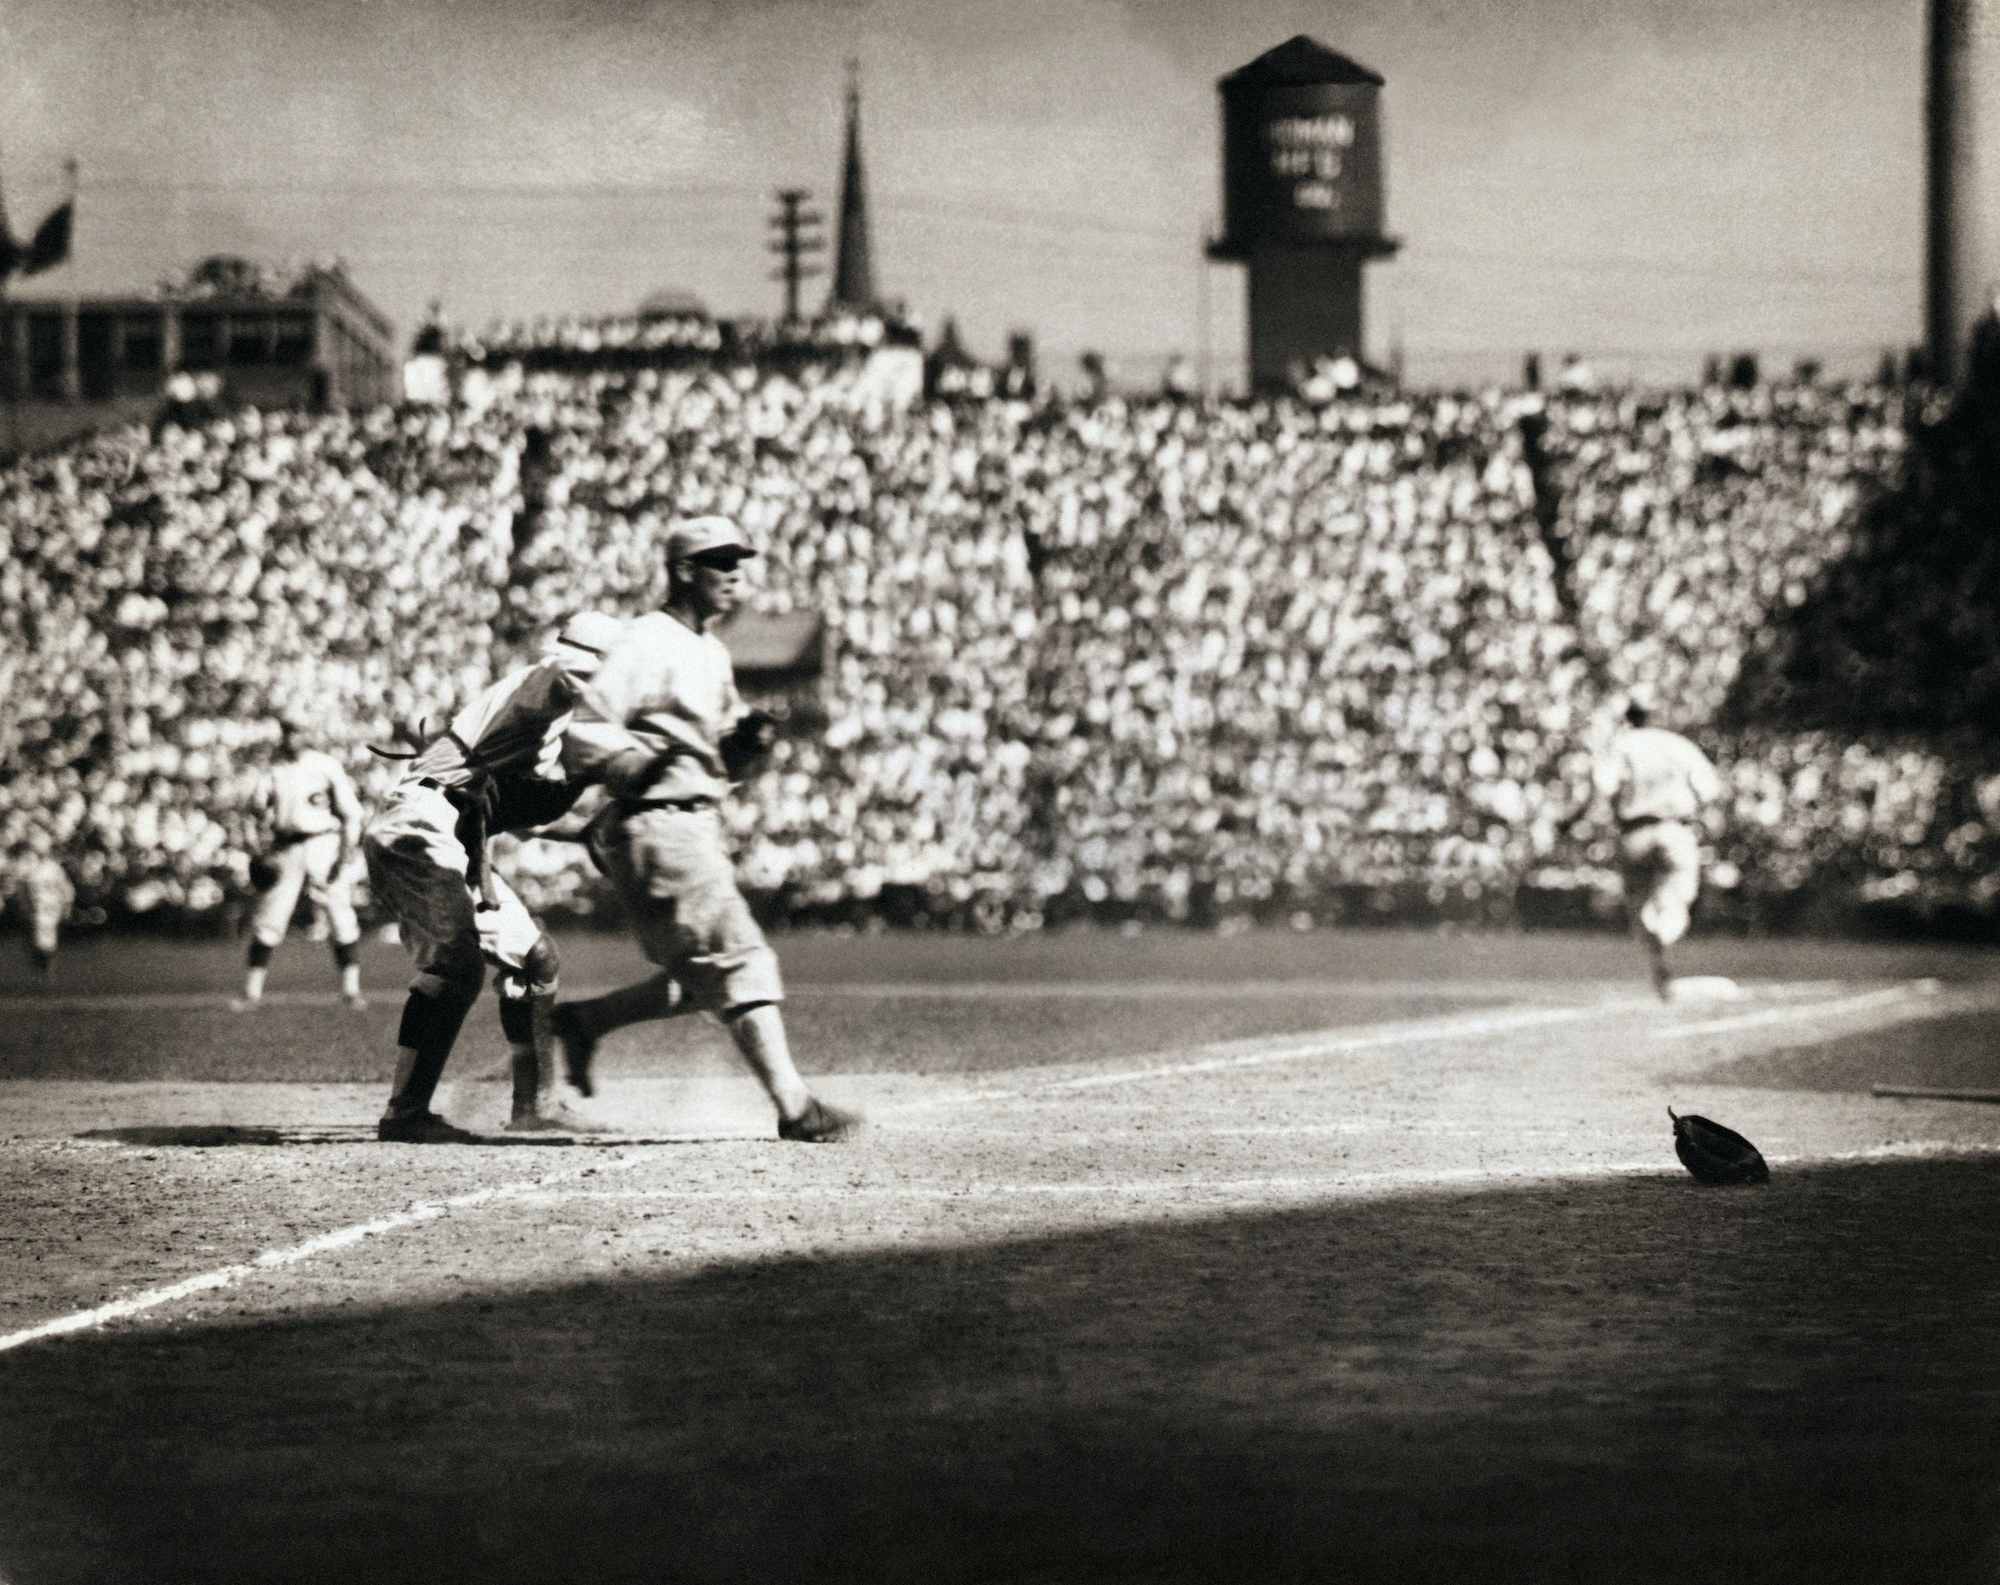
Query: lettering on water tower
{"points": [[1310, 153], [1315, 161]]}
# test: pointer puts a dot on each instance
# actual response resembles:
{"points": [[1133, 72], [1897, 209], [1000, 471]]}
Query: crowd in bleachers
{"points": [[1152, 656], [561, 340], [667, 335]]}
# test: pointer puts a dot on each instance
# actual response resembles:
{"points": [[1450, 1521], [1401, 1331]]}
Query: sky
{"points": [[1641, 181]]}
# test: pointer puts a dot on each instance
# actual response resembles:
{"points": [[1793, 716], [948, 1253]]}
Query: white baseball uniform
{"points": [[1657, 782], [310, 805]]}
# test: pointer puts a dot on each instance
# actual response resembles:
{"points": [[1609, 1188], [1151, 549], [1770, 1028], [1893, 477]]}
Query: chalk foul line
{"points": [[1891, 996], [276, 1259], [1233, 1054]]}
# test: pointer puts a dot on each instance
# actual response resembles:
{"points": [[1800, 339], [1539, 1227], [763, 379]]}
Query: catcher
{"points": [[496, 768]]}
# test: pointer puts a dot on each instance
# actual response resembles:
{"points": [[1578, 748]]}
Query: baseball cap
{"points": [[584, 639], [697, 536]]}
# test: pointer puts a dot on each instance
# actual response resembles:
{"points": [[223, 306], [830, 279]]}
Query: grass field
{"points": [[1175, 1257]]}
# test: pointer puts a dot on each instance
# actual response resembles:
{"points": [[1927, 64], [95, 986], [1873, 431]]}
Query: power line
{"points": [[614, 191], [1616, 264], [1069, 223], [425, 188]]}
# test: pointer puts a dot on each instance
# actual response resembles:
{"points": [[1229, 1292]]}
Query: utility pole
{"points": [[1202, 266], [798, 236]]}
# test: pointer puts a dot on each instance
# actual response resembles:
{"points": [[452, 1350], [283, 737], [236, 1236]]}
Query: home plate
{"points": [[1707, 988]]}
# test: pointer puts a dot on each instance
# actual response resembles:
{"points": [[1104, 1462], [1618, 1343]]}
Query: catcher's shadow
{"points": [[209, 1136]]}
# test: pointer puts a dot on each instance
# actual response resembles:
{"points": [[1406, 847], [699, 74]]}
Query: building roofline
{"points": [[322, 293]]}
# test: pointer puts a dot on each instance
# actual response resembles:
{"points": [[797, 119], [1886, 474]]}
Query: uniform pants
{"points": [[307, 866], [417, 870], [679, 889], [47, 908], [1662, 863]]}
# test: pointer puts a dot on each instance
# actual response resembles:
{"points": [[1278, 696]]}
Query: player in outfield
{"points": [[497, 768], [662, 726], [1657, 784], [309, 819], [40, 886]]}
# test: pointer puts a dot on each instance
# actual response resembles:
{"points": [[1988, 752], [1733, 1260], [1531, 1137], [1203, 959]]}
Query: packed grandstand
{"points": [[1131, 658]]}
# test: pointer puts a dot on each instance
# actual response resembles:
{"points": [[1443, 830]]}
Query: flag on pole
{"points": [[50, 244], [10, 255]]}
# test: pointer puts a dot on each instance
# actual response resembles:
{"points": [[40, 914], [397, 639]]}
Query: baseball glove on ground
{"points": [[263, 873], [1716, 1154], [747, 742]]}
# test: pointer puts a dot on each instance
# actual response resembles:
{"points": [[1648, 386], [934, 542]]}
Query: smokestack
{"points": [[1962, 149]]}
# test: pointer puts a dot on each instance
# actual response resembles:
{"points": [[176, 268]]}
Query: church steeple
{"points": [[854, 266]]}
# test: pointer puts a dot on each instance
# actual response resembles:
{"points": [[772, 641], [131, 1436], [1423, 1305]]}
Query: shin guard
{"points": [[429, 1030], [529, 1025]]}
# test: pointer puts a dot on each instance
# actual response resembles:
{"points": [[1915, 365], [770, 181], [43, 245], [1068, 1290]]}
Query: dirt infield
{"points": [[1396, 1286]]}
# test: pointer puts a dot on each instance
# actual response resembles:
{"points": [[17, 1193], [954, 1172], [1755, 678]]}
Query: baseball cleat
{"points": [[245, 1004], [422, 1128], [557, 1120], [818, 1124], [355, 1000], [577, 1050]]}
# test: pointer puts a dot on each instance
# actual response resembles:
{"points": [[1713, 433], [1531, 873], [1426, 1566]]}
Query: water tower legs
{"points": [[1305, 304]]}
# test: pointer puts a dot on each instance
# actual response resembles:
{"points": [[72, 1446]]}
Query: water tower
{"points": [[1302, 197]]}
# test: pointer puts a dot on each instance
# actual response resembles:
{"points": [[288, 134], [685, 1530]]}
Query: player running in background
{"points": [[1657, 783], [41, 888], [663, 727], [497, 768], [310, 822]]}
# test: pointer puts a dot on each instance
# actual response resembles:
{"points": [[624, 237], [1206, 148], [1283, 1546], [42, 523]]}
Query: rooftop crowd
{"points": [[1151, 657]]}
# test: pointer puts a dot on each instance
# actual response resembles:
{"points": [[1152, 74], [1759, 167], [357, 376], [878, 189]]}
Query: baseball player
{"points": [[311, 821], [42, 887], [497, 768], [662, 726], [1657, 783]]}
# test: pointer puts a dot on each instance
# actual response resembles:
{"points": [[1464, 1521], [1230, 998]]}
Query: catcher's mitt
{"points": [[747, 742], [1716, 1154], [263, 873]]}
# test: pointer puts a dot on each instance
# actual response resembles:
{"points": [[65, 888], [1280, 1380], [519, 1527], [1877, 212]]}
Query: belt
{"points": [[680, 805], [1639, 823]]}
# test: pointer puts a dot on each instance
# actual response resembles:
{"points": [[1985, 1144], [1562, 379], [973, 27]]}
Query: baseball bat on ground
{"points": [[1906, 1092]]}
